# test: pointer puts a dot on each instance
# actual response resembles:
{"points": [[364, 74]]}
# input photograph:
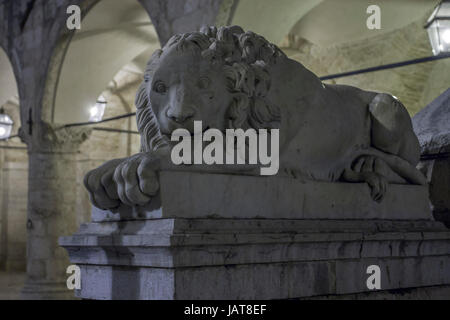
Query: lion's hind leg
{"points": [[391, 128], [371, 170], [379, 169]]}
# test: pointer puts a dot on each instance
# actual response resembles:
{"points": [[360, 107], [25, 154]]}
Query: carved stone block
{"points": [[198, 195]]}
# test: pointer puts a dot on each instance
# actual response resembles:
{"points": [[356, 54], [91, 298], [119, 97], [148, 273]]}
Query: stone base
{"points": [[422, 293], [235, 237], [254, 259]]}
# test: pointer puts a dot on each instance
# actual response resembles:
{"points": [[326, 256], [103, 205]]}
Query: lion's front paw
{"points": [[101, 187], [136, 179]]}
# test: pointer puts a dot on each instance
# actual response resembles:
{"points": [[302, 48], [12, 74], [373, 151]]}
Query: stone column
{"points": [[51, 209]]}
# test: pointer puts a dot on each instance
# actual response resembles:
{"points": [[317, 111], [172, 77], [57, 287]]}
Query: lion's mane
{"points": [[245, 58]]}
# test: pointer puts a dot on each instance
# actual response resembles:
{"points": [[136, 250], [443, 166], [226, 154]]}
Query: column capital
{"points": [[51, 137]]}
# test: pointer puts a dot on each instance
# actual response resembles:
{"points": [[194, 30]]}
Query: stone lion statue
{"points": [[228, 78]]}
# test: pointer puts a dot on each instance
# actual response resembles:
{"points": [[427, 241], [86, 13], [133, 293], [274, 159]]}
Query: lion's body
{"points": [[314, 141], [228, 78], [325, 128]]}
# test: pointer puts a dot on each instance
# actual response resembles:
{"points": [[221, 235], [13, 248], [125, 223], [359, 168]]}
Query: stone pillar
{"points": [[51, 209]]}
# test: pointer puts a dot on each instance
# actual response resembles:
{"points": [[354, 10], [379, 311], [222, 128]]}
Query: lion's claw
{"points": [[101, 188], [132, 181], [378, 185], [370, 169]]}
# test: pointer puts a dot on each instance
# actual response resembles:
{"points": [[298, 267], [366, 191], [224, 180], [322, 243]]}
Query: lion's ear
{"points": [[147, 123]]}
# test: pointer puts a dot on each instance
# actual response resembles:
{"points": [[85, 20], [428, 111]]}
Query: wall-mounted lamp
{"points": [[438, 27], [98, 110], [6, 125]]}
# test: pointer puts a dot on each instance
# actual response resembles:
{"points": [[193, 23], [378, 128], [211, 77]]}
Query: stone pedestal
{"points": [[236, 237]]}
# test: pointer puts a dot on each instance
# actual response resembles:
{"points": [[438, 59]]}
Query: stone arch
{"points": [[8, 81], [112, 34]]}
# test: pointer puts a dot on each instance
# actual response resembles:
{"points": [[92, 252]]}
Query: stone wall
{"points": [[416, 85]]}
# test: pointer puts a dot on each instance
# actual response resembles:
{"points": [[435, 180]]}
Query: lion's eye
{"points": [[160, 87], [203, 83]]}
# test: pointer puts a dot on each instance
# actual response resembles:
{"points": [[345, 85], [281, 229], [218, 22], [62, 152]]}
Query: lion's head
{"points": [[220, 77]]}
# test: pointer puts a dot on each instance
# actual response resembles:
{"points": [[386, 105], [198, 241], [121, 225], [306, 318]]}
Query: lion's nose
{"points": [[180, 114]]}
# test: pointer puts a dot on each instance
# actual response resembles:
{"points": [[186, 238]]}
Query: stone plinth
{"points": [[196, 247]]}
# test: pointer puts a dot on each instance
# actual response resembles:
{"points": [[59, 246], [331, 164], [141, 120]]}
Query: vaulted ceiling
{"points": [[8, 85], [119, 32], [113, 33], [334, 22], [325, 22]]}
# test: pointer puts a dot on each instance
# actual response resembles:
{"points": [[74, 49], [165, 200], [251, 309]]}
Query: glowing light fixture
{"points": [[6, 125], [438, 27], [98, 110]]}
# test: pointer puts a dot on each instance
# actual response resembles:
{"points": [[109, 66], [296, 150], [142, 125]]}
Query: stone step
{"points": [[246, 226], [206, 255], [285, 280], [172, 243]]}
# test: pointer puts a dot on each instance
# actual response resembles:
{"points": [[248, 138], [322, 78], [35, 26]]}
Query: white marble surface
{"points": [[200, 195]]}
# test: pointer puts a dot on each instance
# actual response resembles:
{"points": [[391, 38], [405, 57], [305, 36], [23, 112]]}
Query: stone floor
{"points": [[10, 285]]}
